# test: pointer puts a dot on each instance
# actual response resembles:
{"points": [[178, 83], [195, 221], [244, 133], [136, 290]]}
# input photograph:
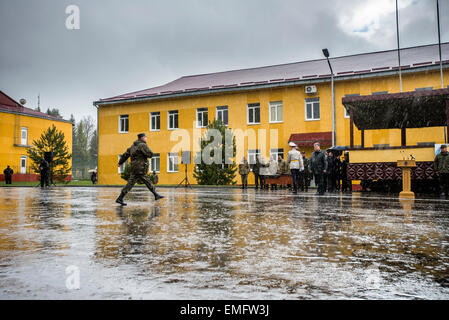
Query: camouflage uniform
{"points": [[305, 183], [139, 153], [243, 172], [442, 167]]}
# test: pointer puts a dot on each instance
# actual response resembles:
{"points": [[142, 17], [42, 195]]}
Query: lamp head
{"points": [[326, 53]]}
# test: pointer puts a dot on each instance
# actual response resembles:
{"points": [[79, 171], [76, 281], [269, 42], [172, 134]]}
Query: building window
{"points": [[222, 114], [252, 154], [155, 163], [23, 164], [121, 168], [312, 109], [123, 125], [201, 118], [254, 113], [276, 153], [24, 137], [155, 121], [172, 162], [276, 112], [173, 120]]}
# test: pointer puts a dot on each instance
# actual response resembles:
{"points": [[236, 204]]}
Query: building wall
{"points": [[112, 143], [10, 154]]}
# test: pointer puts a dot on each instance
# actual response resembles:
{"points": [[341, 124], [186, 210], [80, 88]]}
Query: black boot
{"points": [[157, 196], [295, 188], [120, 199]]}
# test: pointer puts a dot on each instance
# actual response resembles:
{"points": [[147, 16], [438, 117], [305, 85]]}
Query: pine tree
{"points": [[217, 173], [52, 140]]}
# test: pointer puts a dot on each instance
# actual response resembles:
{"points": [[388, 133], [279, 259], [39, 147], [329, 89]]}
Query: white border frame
{"points": [[247, 114], [168, 120], [275, 103], [170, 155], [216, 113], [305, 110], [155, 130], [119, 118]]}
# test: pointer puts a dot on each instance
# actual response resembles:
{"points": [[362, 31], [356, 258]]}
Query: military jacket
{"points": [[442, 162], [139, 154], [244, 168]]}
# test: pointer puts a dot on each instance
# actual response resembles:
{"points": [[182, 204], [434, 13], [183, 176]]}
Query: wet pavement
{"points": [[220, 244]]}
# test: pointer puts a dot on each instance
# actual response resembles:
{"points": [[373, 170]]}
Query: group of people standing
{"points": [[325, 168]]}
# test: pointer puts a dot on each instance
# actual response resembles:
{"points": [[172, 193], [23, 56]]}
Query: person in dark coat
{"points": [[330, 172], [337, 171], [256, 171], [93, 177], [306, 176], [345, 186], [44, 168], [318, 167], [139, 154], [441, 166], [8, 172]]}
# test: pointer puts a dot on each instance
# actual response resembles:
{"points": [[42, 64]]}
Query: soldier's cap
{"points": [[140, 135], [292, 144], [443, 146], [303, 152]]}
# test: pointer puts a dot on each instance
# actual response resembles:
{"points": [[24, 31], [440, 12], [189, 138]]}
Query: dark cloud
{"points": [[127, 46]]}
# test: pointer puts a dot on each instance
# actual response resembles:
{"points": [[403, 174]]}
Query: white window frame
{"points": [[120, 117], [252, 106], [169, 114], [121, 168], [251, 153], [200, 114], [155, 156], [156, 115], [221, 109], [23, 169], [277, 153], [174, 156], [312, 101], [22, 140], [276, 104], [347, 115]]}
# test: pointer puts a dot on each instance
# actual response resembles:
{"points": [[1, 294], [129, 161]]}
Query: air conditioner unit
{"points": [[310, 89]]}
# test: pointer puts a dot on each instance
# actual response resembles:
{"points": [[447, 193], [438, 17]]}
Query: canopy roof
{"points": [[416, 109]]}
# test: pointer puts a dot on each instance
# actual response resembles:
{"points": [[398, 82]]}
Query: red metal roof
{"points": [[353, 65], [308, 139], [10, 105]]}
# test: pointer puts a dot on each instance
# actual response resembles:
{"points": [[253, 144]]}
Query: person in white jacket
{"points": [[294, 159]]}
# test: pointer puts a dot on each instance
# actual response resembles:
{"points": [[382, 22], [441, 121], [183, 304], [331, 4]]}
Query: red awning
{"points": [[308, 139]]}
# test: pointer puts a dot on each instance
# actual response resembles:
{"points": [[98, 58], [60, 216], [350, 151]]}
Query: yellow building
{"points": [[276, 104], [19, 126]]}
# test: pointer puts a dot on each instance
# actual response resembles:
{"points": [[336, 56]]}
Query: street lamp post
{"points": [[326, 54]]}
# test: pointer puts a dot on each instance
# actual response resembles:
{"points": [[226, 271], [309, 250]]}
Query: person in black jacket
{"points": [[345, 183], [318, 167], [44, 168], [8, 172], [331, 178]]}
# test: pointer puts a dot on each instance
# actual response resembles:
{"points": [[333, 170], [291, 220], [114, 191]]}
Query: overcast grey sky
{"points": [[124, 46]]}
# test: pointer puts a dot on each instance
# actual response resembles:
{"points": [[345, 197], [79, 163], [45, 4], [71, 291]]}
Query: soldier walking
{"points": [[243, 172], [441, 165], [8, 172], [256, 172], [139, 153]]}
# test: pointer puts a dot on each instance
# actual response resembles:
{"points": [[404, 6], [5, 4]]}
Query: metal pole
{"points": [[439, 44], [399, 53], [333, 101]]}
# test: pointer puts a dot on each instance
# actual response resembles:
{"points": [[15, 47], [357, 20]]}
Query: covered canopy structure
{"points": [[416, 109]]}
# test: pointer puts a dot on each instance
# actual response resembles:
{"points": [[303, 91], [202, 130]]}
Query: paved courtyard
{"points": [[206, 243]]}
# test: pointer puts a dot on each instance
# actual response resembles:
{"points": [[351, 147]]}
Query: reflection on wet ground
{"points": [[221, 244]]}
